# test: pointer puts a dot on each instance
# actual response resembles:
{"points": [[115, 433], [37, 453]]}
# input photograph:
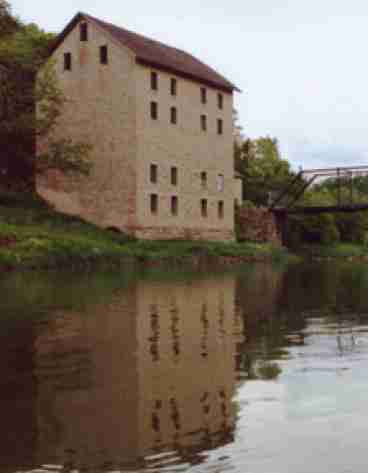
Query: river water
{"points": [[262, 370]]}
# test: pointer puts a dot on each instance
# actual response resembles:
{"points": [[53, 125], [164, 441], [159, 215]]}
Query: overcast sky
{"points": [[302, 64]]}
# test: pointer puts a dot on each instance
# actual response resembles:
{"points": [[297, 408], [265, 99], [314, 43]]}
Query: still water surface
{"points": [[259, 371]]}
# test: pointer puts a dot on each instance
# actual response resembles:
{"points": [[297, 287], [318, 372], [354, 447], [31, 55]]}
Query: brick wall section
{"points": [[257, 224]]}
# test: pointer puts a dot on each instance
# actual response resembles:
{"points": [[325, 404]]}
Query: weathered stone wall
{"points": [[100, 110], [189, 149], [257, 224], [109, 107]]}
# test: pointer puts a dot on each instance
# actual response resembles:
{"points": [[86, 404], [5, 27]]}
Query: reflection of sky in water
{"points": [[234, 373], [315, 417]]}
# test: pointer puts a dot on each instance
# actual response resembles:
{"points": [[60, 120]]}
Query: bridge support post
{"points": [[281, 224]]}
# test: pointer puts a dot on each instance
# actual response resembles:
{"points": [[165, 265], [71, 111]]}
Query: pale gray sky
{"points": [[301, 64]]}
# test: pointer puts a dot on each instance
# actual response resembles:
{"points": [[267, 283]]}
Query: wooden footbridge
{"points": [[286, 201]]}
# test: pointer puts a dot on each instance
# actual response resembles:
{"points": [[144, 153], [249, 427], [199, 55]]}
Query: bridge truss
{"points": [[286, 200]]}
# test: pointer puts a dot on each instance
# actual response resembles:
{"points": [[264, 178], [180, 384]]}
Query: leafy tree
{"points": [[8, 24], [28, 82], [320, 228], [262, 169]]}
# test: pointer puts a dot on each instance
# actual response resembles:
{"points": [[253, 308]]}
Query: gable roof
{"points": [[155, 54]]}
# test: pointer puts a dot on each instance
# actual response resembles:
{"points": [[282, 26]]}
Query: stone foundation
{"points": [[182, 233], [257, 224]]}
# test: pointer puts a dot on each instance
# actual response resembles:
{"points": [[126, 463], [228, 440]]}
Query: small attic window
{"points": [[104, 59], [203, 95], [67, 61], [173, 86], [83, 30], [154, 80]]}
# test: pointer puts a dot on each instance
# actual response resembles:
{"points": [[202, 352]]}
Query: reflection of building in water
{"points": [[18, 392], [186, 358], [150, 372]]}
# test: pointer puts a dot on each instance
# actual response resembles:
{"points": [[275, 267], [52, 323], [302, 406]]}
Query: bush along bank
{"points": [[34, 236], [347, 251]]}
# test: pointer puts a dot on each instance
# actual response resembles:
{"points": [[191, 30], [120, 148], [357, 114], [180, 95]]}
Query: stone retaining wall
{"points": [[257, 224]]}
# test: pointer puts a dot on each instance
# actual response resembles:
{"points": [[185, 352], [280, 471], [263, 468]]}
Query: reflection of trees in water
{"points": [[130, 380], [337, 289], [278, 306], [152, 369], [335, 293], [267, 328], [18, 394]]}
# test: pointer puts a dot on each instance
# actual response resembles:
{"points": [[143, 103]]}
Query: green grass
{"points": [[32, 235], [336, 250]]}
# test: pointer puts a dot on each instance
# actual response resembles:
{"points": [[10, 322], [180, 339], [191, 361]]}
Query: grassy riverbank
{"points": [[32, 235], [334, 251]]}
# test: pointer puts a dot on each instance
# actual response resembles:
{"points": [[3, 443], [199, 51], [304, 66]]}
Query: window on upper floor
{"points": [[174, 205], [153, 173], [154, 80], [104, 57], [154, 110], [219, 126], [174, 176], [204, 207], [83, 31], [203, 180], [203, 122], [173, 86], [220, 182], [203, 95], [173, 115], [67, 61], [220, 101], [154, 203], [220, 209]]}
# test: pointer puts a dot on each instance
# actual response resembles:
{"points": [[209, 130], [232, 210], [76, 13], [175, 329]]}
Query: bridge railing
{"points": [[293, 191]]}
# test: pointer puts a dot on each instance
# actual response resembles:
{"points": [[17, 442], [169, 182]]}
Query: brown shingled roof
{"points": [[155, 54]]}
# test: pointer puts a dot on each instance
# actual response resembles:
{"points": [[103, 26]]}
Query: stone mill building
{"points": [[160, 125]]}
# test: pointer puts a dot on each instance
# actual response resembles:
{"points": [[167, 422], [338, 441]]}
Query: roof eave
{"points": [[145, 62], [61, 36], [230, 88]]}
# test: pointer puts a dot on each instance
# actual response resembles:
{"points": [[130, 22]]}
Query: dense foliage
{"points": [[262, 169], [24, 50], [332, 227], [265, 174]]}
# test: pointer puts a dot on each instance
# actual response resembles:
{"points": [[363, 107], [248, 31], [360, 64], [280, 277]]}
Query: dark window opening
{"points": [[203, 180], [103, 55], [67, 62], [203, 95], [173, 86], [173, 115], [219, 127], [221, 209], [203, 122], [154, 110], [204, 207], [174, 176], [153, 173], [154, 80], [154, 203], [174, 205], [220, 101], [83, 31]]}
